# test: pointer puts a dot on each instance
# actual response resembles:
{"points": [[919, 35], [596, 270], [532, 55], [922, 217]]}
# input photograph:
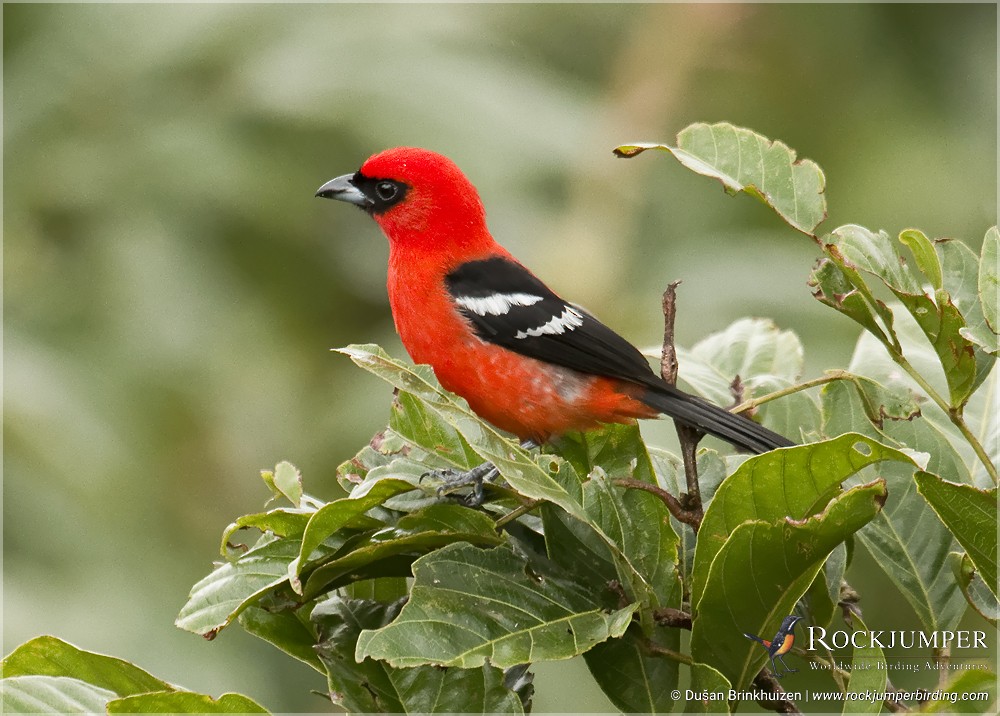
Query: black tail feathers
{"points": [[697, 413], [752, 637]]}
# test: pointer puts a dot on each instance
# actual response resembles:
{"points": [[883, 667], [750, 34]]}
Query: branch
{"points": [[658, 650], [670, 617], [954, 414], [687, 516], [765, 681], [522, 509], [688, 436], [828, 377]]}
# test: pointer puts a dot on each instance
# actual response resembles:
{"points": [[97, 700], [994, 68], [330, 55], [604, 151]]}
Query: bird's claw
{"points": [[453, 479]]}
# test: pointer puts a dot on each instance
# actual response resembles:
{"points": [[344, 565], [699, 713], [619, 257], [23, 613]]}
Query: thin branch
{"points": [[977, 447], [954, 414], [668, 354], [765, 681], [658, 650], [687, 516], [688, 436], [517, 512], [670, 617], [942, 659], [828, 377]]}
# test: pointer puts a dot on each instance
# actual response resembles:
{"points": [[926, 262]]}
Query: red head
{"points": [[421, 199]]}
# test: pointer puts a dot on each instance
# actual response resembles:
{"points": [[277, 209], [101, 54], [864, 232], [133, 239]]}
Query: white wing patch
{"points": [[497, 304], [566, 321]]}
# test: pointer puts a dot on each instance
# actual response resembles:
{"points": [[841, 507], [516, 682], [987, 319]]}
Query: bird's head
{"points": [[421, 199], [789, 622]]}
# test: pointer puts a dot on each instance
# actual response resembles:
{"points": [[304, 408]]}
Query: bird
{"points": [[780, 645], [526, 360]]}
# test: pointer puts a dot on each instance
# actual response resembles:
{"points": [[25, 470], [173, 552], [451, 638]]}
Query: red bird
{"points": [[526, 360]]}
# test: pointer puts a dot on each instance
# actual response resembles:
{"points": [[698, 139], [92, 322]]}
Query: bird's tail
{"points": [[697, 413], [752, 637]]}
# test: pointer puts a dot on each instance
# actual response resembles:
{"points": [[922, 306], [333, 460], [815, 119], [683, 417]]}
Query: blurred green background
{"points": [[172, 287]]}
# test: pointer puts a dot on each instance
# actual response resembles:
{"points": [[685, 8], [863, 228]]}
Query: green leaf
{"points": [[617, 449], [881, 402], [961, 280], [794, 482], [420, 426], [761, 572], [707, 680], [856, 249], [712, 470], [907, 542], [644, 553], [514, 463], [382, 589], [285, 630], [874, 253], [547, 477], [971, 515], [185, 702], [988, 279], [52, 695], [468, 605], [414, 534], [633, 677], [868, 676], [285, 481], [371, 686], [283, 522], [951, 456], [335, 515], [765, 359], [639, 523], [748, 348], [976, 593], [824, 593], [749, 162], [48, 675], [832, 285], [414, 469], [964, 683], [50, 656], [925, 255], [218, 598]]}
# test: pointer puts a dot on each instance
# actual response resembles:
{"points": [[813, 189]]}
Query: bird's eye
{"points": [[386, 190]]}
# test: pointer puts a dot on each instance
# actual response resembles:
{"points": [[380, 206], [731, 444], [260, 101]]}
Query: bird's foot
{"points": [[452, 480]]}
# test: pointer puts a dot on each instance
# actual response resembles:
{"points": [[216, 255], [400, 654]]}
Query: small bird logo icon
{"points": [[780, 645]]}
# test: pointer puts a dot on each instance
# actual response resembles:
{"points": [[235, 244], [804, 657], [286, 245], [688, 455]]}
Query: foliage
{"points": [[407, 603]]}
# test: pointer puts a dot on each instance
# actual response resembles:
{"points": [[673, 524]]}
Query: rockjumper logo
{"points": [[960, 639], [780, 645]]}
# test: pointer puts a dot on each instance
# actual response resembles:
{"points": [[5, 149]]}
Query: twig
{"points": [[828, 377], [658, 650], [688, 436], [686, 516], [670, 617], [522, 509], [954, 414], [942, 658], [765, 681]]}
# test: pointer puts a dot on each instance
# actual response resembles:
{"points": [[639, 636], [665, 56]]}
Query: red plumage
{"points": [[523, 358], [441, 225]]}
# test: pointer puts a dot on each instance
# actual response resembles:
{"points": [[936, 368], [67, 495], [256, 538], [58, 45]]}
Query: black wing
{"points": [[509, 306]]}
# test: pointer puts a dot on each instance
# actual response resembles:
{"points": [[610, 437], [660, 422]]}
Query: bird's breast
{"points": [[528, 397]]}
